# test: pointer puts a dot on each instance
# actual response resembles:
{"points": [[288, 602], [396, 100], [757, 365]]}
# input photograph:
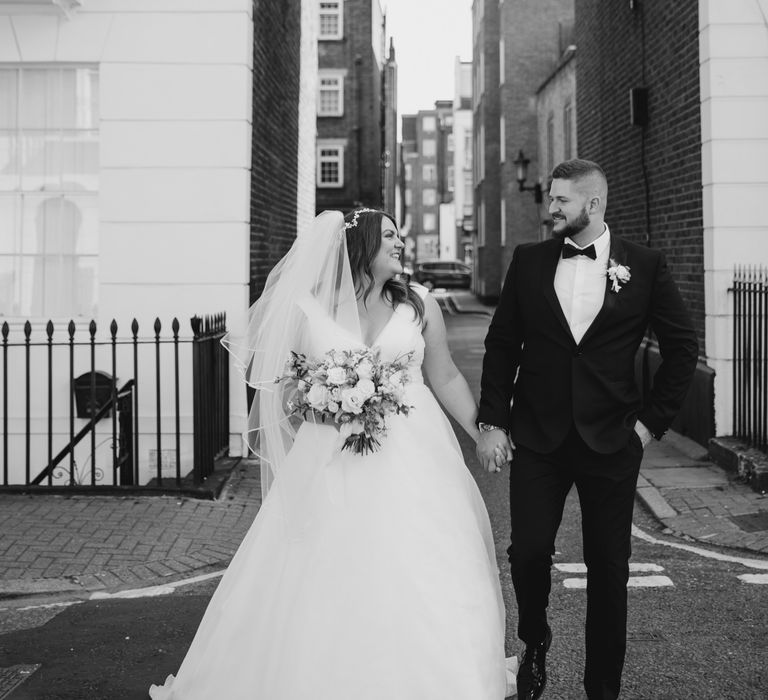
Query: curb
{"points": [[748, 463], [149, 573], [653, 500]]}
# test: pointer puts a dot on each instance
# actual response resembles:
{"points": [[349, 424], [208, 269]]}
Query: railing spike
{"points": [[135, 328], [71, 329], [113, 328], [92, 328], [175, 326], [49, 329], [158, 326], [6, 330], [27, 330]]}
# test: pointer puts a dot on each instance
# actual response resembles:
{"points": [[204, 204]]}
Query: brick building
{"points": [[355, 138], [672, 102], [463, 189], [284, 75], [516, 46], [427, 147], [651, 148]]}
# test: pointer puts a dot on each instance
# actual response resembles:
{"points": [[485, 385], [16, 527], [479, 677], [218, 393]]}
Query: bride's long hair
{"points": [[363, 237]]}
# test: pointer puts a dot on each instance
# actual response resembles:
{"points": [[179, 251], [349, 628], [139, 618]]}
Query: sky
{"points": [[428, 35]]}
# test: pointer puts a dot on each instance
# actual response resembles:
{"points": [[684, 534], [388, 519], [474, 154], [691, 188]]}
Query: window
{"points": [[408, 172], [331, 19], [567, 130], [449, 143], [481, 153], [502, 139], [49, 183], [428, 173], [428, 124], [501, 61], [430, 222], [408, 197], [330, 165], [503, 225], [429, 197], [429, 148], [550, 143], [481, 223], [449, 176], [468, 148], [330, 98]]}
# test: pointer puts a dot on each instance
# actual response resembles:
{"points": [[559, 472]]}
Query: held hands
{"points": [[494, 449]]}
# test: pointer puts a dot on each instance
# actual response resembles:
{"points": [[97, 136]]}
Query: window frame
{"points": [[338, 76], [338, 13], [340, 148]]}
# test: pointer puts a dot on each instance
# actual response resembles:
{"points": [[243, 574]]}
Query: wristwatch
{"points": [[486, 427]]}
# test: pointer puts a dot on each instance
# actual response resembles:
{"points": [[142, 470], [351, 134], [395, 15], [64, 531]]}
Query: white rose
{"points": [[337, 375], [366, 387], [317, 397], [364, 369], [354, 427], [333, 406], [622, 273], [352, 400]]}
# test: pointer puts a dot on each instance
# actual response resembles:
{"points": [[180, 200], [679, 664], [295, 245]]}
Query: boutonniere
{"points": [[618, 274]]}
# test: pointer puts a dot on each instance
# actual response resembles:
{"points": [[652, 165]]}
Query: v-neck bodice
{"points": [[400, 335]]}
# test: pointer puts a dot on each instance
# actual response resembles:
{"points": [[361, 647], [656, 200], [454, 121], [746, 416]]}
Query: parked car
{"points": [[443, 273]]}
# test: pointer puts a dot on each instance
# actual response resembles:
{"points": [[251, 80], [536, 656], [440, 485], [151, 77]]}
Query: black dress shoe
{"points": [[532, 676]]}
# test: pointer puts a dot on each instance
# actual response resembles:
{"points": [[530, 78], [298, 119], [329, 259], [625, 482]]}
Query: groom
{"points": [[558, 398]]}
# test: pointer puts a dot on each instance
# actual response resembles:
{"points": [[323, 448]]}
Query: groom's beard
{"points": [[574, 227]]}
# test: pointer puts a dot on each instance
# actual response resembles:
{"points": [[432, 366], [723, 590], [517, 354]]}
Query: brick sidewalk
{"points": [[698, 500], [80, 544]]}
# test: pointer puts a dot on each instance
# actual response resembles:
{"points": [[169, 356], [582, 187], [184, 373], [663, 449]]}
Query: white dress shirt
{"points": [[580, 284]]}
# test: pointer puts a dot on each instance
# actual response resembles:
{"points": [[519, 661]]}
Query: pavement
{"points": [[80, 546]]}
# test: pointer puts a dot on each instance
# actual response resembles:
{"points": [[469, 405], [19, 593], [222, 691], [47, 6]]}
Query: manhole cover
{"points": [[13, 676], [752, 522]]}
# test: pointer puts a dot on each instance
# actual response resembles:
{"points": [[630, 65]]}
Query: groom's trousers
{"points": [[538, 486]]}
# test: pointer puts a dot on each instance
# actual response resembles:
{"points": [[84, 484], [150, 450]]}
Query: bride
{"points": [[363, 577]]}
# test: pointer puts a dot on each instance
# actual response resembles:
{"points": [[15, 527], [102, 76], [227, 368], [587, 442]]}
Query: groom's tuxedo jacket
{"points": [[538, 381]]}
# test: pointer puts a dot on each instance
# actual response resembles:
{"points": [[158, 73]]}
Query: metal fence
{"points": [[55, 423], [750, 355]]}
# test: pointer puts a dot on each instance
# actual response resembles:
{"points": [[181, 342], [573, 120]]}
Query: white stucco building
{"points": [[126, 182], [733, 47]]}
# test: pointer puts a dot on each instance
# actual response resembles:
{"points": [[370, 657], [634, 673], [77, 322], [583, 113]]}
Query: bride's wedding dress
{"points": [[362, 577]]}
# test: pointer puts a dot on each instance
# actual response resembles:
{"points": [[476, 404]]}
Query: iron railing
{"points": [[750, 355], [48, 412]]}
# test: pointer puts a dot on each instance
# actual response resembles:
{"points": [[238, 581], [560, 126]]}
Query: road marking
{"points": [[634, 582], [749, 563], [638, 567], [754, 578]]}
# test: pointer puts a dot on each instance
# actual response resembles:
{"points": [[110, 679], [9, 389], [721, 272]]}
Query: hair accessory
{"points": [[353, 223]]}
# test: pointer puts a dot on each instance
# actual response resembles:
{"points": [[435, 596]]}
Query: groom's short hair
{"points": [[576, 169]]}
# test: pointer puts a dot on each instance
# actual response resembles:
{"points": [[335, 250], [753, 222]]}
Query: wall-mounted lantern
{"points": [[521, 163]]}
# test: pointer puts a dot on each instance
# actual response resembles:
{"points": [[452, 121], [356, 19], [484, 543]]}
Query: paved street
{"points": [[697, 611]]}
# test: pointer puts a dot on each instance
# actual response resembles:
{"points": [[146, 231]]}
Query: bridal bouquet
{"points": [[353, 388]]}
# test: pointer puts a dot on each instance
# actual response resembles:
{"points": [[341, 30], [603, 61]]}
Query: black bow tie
{"points": [[570, 250]]}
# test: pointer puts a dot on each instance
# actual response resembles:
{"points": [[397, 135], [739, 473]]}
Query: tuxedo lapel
{"points": [[616, 254], [548, 269]]}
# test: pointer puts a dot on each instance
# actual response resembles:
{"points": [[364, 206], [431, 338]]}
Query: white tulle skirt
{"points": [[362, 578]]}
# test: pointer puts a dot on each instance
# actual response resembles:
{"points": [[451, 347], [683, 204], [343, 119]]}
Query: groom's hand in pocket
{"points": [[494, 449]]}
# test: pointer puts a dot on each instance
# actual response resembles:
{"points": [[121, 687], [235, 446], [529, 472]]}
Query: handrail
{"points": [[88, 427]]}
